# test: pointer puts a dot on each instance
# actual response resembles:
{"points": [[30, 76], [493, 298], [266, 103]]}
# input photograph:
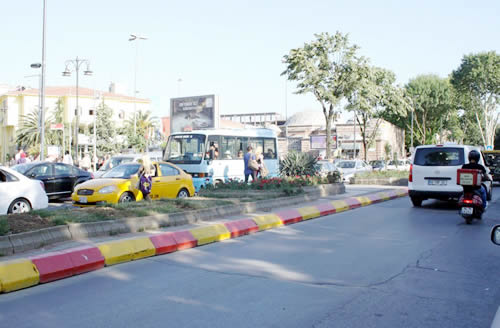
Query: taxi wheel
{"points": [[183, 193], [126, 197], [19, 205]]}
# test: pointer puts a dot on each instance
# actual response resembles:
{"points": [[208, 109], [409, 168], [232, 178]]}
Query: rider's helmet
{"points": [[474, 156]]}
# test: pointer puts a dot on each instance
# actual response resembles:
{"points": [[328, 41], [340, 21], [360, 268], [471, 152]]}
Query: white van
{"points": [[433, 172]]}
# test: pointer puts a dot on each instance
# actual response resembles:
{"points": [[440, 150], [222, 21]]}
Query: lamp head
{"points": [[66, 72], [36, 65]]}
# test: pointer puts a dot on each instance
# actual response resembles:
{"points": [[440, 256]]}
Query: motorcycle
{"points": [[470, 203], [471, 207]]}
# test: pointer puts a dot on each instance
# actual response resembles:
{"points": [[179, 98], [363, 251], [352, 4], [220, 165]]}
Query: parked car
{"points": [[122, 159], [350, 167], [433, 173], [119, 185], [324, 167], [400, 165], [59, 179], [492, 159], [18, 194], [378, 165]]}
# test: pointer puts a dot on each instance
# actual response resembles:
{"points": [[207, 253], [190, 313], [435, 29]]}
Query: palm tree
{"points": [[143, 125], [28, 134]]}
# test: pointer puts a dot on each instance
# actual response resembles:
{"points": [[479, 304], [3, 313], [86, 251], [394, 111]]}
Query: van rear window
{"points": [[439, 156]]}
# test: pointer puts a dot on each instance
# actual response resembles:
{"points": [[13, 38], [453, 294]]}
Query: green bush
{"points": [[4, 227], [383, 174], [298, 164]]}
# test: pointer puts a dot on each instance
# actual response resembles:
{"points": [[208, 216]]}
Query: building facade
{"points": [[16, 104]]}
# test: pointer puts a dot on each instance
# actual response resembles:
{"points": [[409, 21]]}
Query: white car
{"points": [[400, 165], [350, 167], [19, 194], [433, 173]]}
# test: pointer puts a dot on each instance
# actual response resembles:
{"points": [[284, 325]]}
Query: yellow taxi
{"points": [[119, 185]]}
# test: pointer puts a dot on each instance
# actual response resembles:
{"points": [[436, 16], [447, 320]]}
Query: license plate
{"points": [[83, 199], [467, 210], [437, 182]]}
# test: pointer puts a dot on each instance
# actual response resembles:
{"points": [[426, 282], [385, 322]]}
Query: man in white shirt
{"points": [[67, 158]]}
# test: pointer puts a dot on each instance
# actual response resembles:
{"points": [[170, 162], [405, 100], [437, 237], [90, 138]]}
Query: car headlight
{"points": [[107, 190]]}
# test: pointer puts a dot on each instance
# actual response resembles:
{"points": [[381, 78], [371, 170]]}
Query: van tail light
{"points": [[410, 177], [42, 184]]}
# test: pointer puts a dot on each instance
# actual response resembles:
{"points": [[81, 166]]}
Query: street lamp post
{"points": [[136, 38], [179, 87], [76, 63]]}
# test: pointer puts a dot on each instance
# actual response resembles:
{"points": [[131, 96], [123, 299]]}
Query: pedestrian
{"points": [[67, 158], [17, 157], [251, 165], [85, 163], [145, 182], [262, 171]]}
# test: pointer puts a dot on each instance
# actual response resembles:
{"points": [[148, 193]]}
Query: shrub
{"points": [[4, 227], [298, 164]]}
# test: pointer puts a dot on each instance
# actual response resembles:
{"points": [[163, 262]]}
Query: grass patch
{"points": [[382, 174], [4, 227], [46, 218]]}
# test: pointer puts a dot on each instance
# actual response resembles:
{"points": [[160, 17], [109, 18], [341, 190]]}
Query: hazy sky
{"points": [[234, 48]]}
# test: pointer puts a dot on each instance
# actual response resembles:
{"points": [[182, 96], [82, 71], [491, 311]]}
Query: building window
{"points": [[91, 112], [121, 115]]}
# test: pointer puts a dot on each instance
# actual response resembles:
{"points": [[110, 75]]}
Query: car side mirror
{"points": [[33, 175], [495, 235], [209, 161]]}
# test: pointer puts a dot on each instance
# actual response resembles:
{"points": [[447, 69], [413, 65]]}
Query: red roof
{"points": [[71, 91]]}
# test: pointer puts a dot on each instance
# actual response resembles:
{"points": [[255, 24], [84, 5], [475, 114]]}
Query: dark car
{"points": [[59, 178]]}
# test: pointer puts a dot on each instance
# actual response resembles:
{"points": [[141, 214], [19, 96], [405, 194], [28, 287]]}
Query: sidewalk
{"points": [[74, 257]]}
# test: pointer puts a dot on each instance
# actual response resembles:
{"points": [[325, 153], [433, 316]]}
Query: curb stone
{"points": [[25, 272], [26, 241]]}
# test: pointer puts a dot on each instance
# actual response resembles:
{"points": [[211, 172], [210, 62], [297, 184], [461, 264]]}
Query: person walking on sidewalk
{"points": [[249, 160]]}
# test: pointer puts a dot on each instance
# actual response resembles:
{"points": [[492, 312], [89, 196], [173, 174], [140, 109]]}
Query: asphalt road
{"points": [[384, 265]]}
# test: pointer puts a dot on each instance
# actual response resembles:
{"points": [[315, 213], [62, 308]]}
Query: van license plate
{"points": [[83, 200], [467, 210], [437, 182]]}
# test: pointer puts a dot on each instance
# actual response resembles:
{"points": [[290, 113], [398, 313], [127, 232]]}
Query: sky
{"points": [[234, 48]]}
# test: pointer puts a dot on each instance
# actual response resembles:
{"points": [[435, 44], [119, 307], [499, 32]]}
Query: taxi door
{"points": [[170, 181]]}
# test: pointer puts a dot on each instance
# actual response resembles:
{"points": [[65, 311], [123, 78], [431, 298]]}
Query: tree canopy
{"points": [[327, 67], [477, 81]]}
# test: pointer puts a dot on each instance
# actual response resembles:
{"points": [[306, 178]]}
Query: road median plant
{"points": [[16, 223], [382, 174]]}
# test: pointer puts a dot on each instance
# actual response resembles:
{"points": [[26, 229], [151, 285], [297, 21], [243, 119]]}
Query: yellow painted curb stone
{"points": [[309, 212], [210, 233], [18, 274]]}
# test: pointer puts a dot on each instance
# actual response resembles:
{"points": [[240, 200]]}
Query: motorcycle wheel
{"points": [[468, 220]]}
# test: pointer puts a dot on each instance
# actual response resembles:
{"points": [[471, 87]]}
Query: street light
{"points": [[76, 64], [135, 37], [179, 87], [41, 116]]}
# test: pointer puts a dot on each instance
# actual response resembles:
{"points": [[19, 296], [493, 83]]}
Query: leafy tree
{"points": [[144, 125], [432, 99], [105, 130], [327, 68], [374, 93], [477, 79]]}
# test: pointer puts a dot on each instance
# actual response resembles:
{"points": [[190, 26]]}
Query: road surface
{"points": [[384, 265]]}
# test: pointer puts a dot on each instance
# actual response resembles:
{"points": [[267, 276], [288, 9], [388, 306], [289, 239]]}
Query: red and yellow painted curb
{"points": [[22, 273]]}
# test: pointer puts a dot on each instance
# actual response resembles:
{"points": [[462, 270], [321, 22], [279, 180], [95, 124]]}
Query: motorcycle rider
{"points": [[474, 157]]}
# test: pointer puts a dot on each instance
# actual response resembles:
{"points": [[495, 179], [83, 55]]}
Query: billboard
{"points": [[319, 142], [193, 113]]}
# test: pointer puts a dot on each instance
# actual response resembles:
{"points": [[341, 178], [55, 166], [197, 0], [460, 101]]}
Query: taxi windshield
{"points": [[122, 171]]}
